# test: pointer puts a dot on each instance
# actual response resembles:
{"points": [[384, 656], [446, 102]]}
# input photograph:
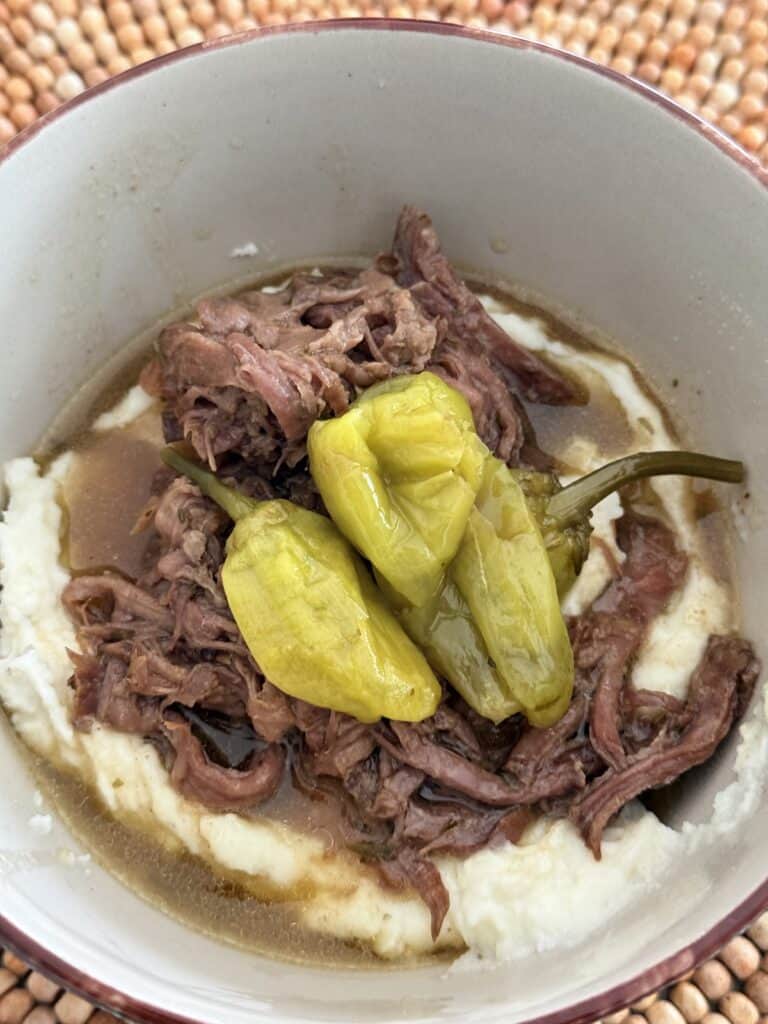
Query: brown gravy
{"points": [[184, 886], [104, 493]]}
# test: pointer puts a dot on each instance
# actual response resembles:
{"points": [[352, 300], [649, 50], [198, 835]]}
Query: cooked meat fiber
{"points": [[254, 372], [162, 657], [722, 683], [197, 777], [420, 265]]}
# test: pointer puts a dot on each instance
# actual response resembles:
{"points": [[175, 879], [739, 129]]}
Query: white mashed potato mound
{"points": [[506, 902], [515, 901]]}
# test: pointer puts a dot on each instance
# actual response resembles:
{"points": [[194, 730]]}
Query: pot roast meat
{"points": [[296, 388], [162, 657], [421, 265], [341, 746], [497, 415], [268, 708], [408, 869], [613, 630], [537, 749], [183, 517], [255, 371], [414, 747], [100, 697], [223, 789], [605, 639], [724, 679], [451, 830], [112, 599], [393, 788], [228, 740], [449, 785], [458, 829]]}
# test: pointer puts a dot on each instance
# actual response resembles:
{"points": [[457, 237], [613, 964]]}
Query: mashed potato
{"points": [[506, 902]]}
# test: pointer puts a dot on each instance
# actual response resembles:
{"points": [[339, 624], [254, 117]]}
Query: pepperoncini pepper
{"points": [[445, 628], [398, 473], [446, 632], [493, 628], [567, 544], [310, 613], [503, 572]]}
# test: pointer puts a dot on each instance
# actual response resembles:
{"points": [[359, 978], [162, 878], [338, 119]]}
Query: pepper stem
{"points": [[236, 505], [575, 500]]}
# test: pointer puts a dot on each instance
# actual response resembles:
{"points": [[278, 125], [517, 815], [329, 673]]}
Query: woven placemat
{"points": [[711, 56]]}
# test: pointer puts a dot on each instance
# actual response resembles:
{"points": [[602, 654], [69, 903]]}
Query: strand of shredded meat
{"points": [[159, 654], [254, 372]]}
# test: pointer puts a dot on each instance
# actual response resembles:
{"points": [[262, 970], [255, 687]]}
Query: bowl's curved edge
{"points": [[670, 968], [592, 1009]]}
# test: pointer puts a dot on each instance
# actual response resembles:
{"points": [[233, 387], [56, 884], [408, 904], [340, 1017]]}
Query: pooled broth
{"points": [[184, 886], [104, 494]]}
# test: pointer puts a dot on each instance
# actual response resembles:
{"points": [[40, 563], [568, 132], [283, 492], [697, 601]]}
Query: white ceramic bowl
{"points": [[537, 167]]}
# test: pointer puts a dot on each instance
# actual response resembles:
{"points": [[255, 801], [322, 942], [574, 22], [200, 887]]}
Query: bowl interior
{"points": [[537, 170]]}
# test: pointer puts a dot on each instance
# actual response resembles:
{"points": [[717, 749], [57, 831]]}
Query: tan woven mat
{"points": [[711, 56]]}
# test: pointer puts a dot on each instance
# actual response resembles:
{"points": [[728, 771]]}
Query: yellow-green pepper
{"points": [[398, 473], [310, 613], [502, 571], [567, 544], [444, 628], [445, 631]]}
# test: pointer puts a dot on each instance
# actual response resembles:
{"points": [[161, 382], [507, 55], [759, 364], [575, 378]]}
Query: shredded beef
{"points": [[256, 371], [393, 787], [421, 265], [615, 627], [723, 680], [409, 868], [161, 656], [415, 747], [268, 708], [224, 789], [253, 373]]}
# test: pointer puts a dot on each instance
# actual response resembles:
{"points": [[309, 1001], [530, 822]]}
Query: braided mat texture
{"points": [[711, 56]]}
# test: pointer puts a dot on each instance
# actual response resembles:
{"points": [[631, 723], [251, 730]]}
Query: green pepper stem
{"points": [[236, 505], [575, 500]]}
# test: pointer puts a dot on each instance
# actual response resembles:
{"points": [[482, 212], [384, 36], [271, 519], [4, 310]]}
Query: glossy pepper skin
{"points": [[446, 633], [310, 613], [444, 628], [503, 572], [567, 544], [398, 473]]}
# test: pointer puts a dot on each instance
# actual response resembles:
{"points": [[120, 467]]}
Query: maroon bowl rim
{"points": [[670, 968]]}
